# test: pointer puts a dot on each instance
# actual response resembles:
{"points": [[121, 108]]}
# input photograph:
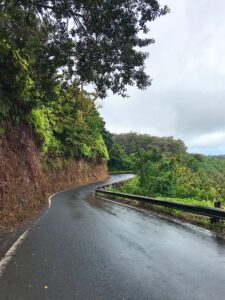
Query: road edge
{"points": [[177, 221]]}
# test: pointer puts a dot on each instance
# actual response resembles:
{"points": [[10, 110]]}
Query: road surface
{"points": [[86, 248]]}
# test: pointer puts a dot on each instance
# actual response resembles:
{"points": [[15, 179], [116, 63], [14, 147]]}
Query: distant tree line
{"points": [[132, 142], [165, 168]]}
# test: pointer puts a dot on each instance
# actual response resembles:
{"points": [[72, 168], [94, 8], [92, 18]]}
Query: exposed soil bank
{"points": [[25, 185]]}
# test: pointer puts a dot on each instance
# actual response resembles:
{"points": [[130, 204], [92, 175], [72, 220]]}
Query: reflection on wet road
{"points": [[86, 248]]}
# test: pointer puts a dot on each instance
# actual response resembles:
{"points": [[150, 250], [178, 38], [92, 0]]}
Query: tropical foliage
{"points": [[168, 171], [49, 50]]}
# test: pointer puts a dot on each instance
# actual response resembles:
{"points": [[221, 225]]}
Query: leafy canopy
{"points": [[90, 41]]}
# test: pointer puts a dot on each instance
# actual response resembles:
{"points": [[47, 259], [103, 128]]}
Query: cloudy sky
{"points": [[187, 64]]}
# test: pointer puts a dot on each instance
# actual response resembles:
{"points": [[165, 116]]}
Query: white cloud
{"points": [[187, 98], [213, 139]]}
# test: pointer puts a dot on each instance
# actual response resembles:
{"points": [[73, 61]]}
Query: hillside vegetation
{"points": [[33, 92], [51, 134], [165, 169], [50, 50]]}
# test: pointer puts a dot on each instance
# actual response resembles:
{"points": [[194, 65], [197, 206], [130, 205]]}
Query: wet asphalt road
{"points": [[85, 248]]}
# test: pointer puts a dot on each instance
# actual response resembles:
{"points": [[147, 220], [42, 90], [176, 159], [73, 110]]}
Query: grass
{"points": [[188, 201], [129, 187], [120, 172]]}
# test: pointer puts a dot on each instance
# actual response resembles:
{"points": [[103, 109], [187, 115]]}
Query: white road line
{"points": [[9, 254], [12, 250]]}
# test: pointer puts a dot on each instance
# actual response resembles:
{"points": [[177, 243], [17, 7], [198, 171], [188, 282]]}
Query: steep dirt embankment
{"points": [[25, 185]]}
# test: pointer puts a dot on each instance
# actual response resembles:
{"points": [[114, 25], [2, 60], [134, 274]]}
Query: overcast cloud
{"points": [[187, 64]]}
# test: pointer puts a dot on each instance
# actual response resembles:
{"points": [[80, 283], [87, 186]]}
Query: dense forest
{"points": [[49, 52], [166, 169]]}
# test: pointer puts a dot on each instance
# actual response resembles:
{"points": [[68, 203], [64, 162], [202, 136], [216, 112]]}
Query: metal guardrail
{"points": [[214, 213]]}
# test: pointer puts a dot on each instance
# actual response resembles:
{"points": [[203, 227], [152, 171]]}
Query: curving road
{"points": [[85, 248]]}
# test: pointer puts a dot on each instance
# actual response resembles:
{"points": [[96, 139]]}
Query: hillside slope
{"points": [[25, 184]]}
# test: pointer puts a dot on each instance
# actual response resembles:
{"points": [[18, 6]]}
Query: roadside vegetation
{"points": [[130, 187], [51, 50], [175, 214], [166, 171]]}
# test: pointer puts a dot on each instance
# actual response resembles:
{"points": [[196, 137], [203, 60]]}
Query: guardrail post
{"points": [[214, 213], [214, 220]]}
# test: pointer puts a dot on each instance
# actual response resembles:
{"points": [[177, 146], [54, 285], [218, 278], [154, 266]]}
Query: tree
{"points": [[118, 158], [133, 142], [90, 41], [107, 136]]}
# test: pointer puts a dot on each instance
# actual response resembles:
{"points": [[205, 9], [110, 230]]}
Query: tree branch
{"points": [[52, 8]]}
